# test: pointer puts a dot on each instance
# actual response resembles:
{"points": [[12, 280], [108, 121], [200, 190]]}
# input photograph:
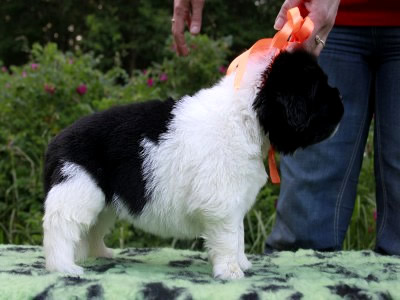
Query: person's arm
{"points": [[189, 11], [322, 13]]}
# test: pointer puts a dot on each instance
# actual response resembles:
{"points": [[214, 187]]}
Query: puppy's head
{"points": [[295, 105]]}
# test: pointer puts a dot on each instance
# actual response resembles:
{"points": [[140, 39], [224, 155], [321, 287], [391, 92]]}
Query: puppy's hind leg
{"points": [[71, 208], [105, 221]]}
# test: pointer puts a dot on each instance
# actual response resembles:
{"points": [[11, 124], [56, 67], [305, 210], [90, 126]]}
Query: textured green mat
{"points": [[177, 274]]}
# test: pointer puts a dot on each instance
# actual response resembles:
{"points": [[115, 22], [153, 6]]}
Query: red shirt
{"points": [[369, 13]]}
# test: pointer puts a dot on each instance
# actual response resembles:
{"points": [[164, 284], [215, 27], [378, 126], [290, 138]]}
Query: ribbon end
{"points": [[273, 170]]}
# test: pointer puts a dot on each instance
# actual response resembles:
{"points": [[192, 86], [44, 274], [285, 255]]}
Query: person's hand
{"points": [[189, 11], [321, 12]]}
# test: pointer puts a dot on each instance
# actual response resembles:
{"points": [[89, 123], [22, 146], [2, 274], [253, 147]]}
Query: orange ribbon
{"points": [[295, 30]]}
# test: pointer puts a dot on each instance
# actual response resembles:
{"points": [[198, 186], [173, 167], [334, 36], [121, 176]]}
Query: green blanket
{"points": [[181, 274]]}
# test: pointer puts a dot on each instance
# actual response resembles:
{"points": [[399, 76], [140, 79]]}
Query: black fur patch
{"points": [[180, 263], [295, 104], [250, 296], [107, 146], [157, 290], [372, 277], [102, 268], [194, 277], [296, 296], [274, 287], [20, 272], [73, 281], [349, 292], [95, 291], [45, 294]]}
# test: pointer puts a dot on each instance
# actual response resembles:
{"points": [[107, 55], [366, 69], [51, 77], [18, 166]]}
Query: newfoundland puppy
{"points": [[187, 168]]}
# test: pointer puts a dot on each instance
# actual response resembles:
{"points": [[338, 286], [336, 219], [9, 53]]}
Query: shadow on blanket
{"points": [[181, 274]]}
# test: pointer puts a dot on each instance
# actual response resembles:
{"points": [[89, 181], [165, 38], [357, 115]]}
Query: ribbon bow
{"points": [[295, 30]]}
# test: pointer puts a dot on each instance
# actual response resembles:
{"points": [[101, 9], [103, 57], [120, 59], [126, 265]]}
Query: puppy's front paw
{"points": [[102, 251], [73, 270], [105, 252], [244, 263], [228, 271]]}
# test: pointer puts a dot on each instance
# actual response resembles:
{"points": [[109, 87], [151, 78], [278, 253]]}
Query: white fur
{"points": [[203, 177], [71, 211]]}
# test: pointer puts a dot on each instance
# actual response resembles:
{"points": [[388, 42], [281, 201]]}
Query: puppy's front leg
{"points": [[242, 259], [222, 242]]}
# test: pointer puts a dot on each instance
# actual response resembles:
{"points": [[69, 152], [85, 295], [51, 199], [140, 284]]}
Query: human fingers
{"points": [[281, 17], [323, 14], [197, 11], [181, 13]]}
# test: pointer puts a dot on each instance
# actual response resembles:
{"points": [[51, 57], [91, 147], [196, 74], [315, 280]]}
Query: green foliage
{"points": [[127, 33], [120, 30], [186, 75], [37, 100]]}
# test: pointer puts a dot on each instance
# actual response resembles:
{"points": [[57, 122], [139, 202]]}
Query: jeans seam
{"points": [[384, 192], [345, 180]]}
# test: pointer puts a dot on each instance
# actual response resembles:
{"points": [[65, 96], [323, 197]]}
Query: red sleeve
{"points": [[369, 13]]}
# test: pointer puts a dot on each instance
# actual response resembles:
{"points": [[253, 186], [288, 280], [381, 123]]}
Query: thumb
{"points": [[197, 10], [281, 18]]}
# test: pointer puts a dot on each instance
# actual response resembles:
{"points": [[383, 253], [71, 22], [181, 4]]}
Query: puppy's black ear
{"points": [[295, 105], [286, 85]]}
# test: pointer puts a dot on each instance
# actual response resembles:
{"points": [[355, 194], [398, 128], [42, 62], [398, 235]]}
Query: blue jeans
{"points": [[318, 188]]}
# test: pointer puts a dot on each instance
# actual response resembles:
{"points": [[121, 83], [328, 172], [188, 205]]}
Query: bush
{"points": [[37, 100], [127, 33]]}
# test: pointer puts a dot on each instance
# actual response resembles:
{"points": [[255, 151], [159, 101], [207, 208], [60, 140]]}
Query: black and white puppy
{"points": [[185, 169]]}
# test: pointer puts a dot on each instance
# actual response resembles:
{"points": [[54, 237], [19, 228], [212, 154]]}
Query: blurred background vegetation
{"points": [[61, 60]]}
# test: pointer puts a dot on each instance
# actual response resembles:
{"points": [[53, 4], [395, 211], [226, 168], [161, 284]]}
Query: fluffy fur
{"points": [[185, 169]]}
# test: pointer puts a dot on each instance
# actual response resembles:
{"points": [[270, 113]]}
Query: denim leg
{"points": [[319, 183], [387, 141]]}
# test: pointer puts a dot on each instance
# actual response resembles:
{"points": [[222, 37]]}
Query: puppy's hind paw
{"points": [[228, 271], [244, 263]]}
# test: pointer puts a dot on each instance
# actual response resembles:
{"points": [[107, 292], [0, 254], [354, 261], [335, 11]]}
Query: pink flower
{"points": [[163, 77], [23, 74], [222, 69], [49, 88], [81, 89], [4, 69], [150, 82], [375, 215], [144, 72], [70, 61], [34, 66]]}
